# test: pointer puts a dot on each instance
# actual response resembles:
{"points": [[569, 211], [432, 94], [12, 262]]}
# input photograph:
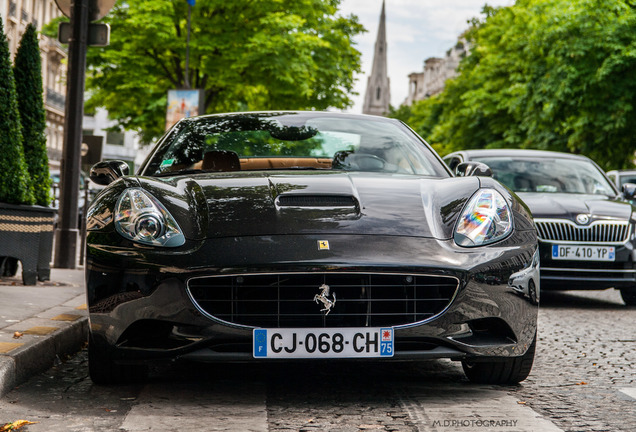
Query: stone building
{"points": [[16, 14], [378, 94], [120, 145], [436, 71]]}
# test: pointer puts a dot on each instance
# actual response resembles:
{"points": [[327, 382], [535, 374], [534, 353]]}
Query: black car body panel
{"points": [[116, 273], [567, 206], [608, 221], [253, 257]]}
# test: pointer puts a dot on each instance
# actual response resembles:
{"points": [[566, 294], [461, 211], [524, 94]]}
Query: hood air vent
{"points": [[316, 201]]}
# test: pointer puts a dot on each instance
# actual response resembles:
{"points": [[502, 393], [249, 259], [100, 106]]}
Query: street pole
{"points": [[66, 235], [187, 59]]}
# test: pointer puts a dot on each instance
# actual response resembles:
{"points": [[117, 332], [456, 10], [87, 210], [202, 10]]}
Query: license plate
{"points": [[323, 343], [583, 253]]}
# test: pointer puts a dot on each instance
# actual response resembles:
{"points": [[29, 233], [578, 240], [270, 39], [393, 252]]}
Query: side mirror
{"points": [[478, 169], [629, 191], [106, 172]]}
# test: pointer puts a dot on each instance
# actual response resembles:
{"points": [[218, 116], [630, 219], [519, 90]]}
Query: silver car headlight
{"points": [[486, 219], [141, 218]]}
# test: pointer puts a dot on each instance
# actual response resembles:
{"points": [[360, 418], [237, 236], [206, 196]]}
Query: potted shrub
{"points": [[26, 224]]}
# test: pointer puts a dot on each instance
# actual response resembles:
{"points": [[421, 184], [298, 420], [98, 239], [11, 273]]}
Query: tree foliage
{"points": [[28, 81], [543, 74], [246, 54], [15, 184]]}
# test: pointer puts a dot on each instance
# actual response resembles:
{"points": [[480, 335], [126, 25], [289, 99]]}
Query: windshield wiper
{"points": [[181, 172], [298, 168], [200, 171]]}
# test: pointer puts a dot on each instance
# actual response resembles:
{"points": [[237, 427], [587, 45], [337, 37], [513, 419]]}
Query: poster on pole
{"points": [[182, 104]]}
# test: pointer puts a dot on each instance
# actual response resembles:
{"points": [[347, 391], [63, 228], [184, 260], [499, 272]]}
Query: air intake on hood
{"points": [[316, 201]]}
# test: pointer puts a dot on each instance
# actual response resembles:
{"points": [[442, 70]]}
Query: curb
{"points": [[40, 355]]}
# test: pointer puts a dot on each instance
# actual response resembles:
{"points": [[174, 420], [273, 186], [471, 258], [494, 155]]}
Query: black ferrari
{"points": [[585, 224], [307, 235]]}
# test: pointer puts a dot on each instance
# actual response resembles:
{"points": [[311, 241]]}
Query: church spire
{"points": [[378, 94]]}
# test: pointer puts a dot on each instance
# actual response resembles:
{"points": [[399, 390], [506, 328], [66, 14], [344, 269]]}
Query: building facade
{"points": [[432, 79], [16, 15], [114, 144], [377, 98]]}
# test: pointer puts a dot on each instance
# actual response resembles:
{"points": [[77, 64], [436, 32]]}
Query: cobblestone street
{"points": [[586, 355], [581, 381]]}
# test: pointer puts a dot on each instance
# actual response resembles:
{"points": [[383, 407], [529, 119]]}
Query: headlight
{"points": [[485, 219], [141, 218]]}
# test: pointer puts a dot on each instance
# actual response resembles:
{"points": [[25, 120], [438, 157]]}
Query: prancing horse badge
{"points": [[323, 298]]}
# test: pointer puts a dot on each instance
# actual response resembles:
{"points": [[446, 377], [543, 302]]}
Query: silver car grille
{"points": [[607, 232]]}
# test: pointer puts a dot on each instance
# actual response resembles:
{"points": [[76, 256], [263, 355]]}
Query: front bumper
{"points": [[140, 307], [587, 275]]}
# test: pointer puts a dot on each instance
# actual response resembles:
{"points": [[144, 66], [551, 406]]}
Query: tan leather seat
{"points": [[221, 160]]}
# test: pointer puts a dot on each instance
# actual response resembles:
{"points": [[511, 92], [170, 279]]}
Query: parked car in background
{"points": [[306, 235], [624, 179], [86, 193], [585, 224], [84, 187], [621, 177]]}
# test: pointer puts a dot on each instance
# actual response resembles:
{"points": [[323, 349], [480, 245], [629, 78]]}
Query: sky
{"points": [[415, 31]]}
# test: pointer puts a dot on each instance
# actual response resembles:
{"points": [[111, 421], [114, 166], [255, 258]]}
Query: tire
{"points": [[629, 296], [9, 266], [508, 371], [104, 371]]}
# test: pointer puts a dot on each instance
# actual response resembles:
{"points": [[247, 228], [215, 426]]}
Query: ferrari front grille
{"points": [[301, 300], [607, 232]]}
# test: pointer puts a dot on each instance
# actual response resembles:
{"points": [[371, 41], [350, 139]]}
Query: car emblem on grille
{"points": [[323, 298], [583, 219]]}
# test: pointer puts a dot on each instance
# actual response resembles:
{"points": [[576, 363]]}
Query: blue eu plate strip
{"points": [[260, 343]]}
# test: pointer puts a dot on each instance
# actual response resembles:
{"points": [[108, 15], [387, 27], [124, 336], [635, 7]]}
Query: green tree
{"points": [[15, 185], [246, 54], [422, 116], [28, 81], [545, 74]]}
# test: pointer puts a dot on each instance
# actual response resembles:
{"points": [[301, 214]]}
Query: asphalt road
{"points": [[584, 379]]}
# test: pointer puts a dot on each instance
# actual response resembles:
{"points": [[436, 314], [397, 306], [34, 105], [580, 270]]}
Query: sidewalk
{"points": [[40, 324]]}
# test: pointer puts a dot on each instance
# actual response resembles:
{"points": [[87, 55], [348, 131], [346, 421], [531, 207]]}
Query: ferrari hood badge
{"points": [[323, 298]]}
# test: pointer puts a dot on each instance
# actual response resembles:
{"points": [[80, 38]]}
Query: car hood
{"points": [[279, 203], [568, 206]]}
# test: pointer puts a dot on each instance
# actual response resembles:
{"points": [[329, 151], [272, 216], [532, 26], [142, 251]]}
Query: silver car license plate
{"points": [[583, 253], [323, 342]]}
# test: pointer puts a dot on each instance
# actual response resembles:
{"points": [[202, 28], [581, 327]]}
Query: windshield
{"points": [[275, 141], [549, 175]]}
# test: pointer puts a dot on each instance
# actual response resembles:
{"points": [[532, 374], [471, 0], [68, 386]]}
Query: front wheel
{"points": [[104, 371], [511, 370], [629, 296]]}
